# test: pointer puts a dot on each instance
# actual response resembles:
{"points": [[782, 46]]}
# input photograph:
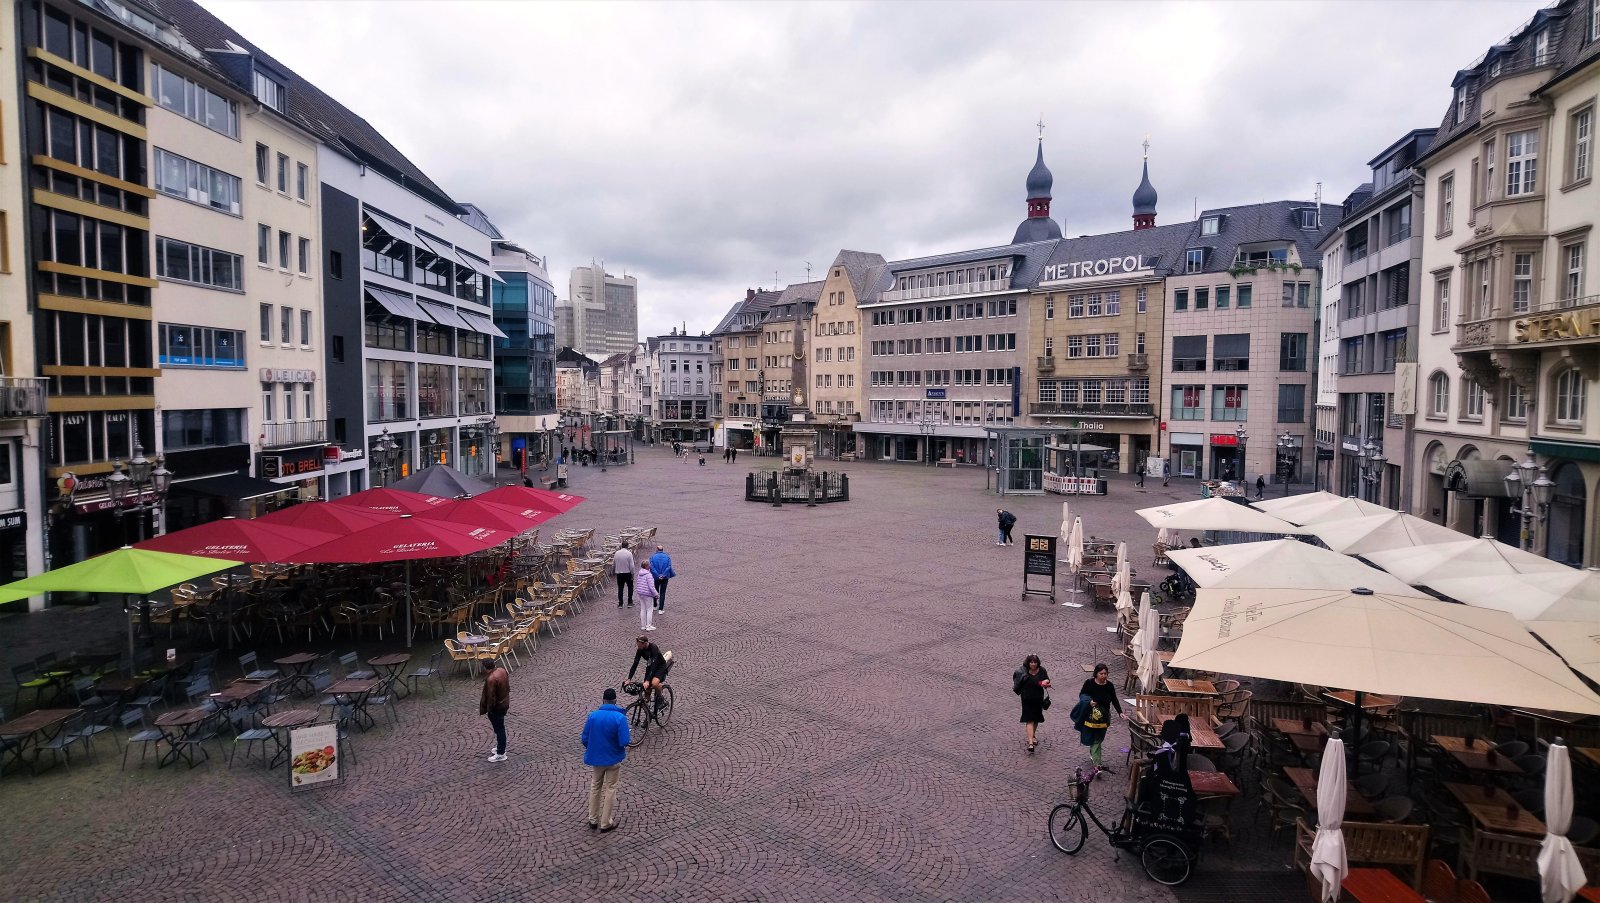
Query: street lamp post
{"points": [[1533, 493], [387, 453], [491, 437], [925, 427], [1285, 459], [1242, 435], [147, 484], [1372, 461]]}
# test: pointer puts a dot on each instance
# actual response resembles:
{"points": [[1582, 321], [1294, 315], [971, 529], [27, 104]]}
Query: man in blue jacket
{"points": [[605, 745], [661, 569]]}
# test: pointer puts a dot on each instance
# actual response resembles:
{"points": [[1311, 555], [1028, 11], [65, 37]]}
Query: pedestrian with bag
{"points": [[1031, 682], [605, 745], [495, 703], [1092, 715], [1007, 520]]}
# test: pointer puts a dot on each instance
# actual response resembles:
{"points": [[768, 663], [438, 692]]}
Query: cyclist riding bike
{"points": [[656, 665]]}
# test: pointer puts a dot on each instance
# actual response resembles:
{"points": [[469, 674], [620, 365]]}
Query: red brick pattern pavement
{"points": [[845, 730]]}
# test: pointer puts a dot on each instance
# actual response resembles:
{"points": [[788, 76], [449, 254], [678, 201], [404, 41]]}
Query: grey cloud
{"points": [[700, 146]]}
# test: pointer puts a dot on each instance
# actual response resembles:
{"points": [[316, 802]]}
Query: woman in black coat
{"points": [[1030, 682]]}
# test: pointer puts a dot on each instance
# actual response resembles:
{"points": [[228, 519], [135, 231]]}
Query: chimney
{"points": [[749, 294]]}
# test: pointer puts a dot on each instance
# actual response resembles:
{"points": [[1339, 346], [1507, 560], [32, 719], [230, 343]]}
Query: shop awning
{"points": [[481, 323], [235, 486], [395, 303], [1478, 478], [1576, 451]]}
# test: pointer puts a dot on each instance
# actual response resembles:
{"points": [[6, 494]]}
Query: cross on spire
{"points": [[1041, 128], [1147, 148]]}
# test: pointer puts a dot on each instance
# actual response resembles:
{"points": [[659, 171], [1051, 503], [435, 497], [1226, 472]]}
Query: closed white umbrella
{"points": [[1215, 514], [1328, 862], [1122, 579], [1124, 602], [1360, 535], [1075, 546], [1145, 607], [1485, 557], [1560, 871], [1150, 669], [1167, 536], [1147, 642], [1066, 520], [1565, 595], [1122, 554], [1284, 563]]}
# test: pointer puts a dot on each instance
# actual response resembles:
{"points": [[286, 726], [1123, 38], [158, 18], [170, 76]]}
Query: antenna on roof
{"points": [[1319, 205], [808, 271], [1197, 207], [774, 280]]}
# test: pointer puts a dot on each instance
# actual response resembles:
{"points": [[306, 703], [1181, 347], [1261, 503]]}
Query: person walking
{"points": [[661, 570], [1138, 475], [736, 456], [1091, 715], [1006, 520], [646, 587], [622, 566], [605, 744], [1166, 473], [1261, 486], [1031, 682], [495, 702]]}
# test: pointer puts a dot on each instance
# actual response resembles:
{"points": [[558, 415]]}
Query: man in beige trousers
{"points": [[605, 744]]}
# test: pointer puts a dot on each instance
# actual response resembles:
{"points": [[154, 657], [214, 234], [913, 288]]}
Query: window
{"points": [[1461, 103], [1074, 346], [1188, 354], [1572, 278], [1245, 296], [1541, 47], [1180, 299], [261, 164], [194, 102], [1485, 295], [1308, 218], [1222, 297], [1141, 296], [1522, 162], [1292, 352], [1516, 404], [1194, 260], [388, 390], [1188, 403], [1581, 128], [1439, 395], [1569, 397], [1230, 403], [1447, 204], [1209, 225], [270, 91], [206, 428], [1521, 283], [1138, 343], [1296, 294], [1113, 303], [182, 262], [266, 324], [197, 183], [1488, 171], [283, 250], [5, 244], [1355, 355], [286, 326], [336, 264], [1075, 305], [305, 329], [1441, 304], [1202, 299], [304, 257], [302, 176], [1231, 353], [263, 245], [283, 173], [1471, 399], [200, 346], [1291, 404], [1392, 348]]}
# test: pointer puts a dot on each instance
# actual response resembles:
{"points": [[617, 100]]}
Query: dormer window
{"points": [[1210, 225], [1541, 47], [1494, 68], [1461, 103], [270, 91], [1195, 261], [1308, 218]]}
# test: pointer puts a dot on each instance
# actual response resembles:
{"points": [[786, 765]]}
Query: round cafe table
{"points": [[391, 665], [280, 723]]}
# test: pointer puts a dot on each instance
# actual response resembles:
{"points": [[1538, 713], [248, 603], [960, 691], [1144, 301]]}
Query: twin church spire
{"points": [[1039, 226]]}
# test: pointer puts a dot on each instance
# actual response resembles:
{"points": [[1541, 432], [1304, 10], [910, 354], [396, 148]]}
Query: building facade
{"points": [[681, 373], [837, 390], [1371, 276], [789, 313], [738, 341], [600, 315], [1507, 359]]}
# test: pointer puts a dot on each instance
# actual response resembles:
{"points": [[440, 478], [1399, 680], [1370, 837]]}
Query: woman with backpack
{"points": [[1007, 520], [1032, 683]]}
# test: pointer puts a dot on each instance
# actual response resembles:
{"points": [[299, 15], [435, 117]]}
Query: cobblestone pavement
{"points": [[844, 730]]}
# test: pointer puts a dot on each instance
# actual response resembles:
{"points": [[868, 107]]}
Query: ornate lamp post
{"points": [[925, 426], [1286, 459], [491, 438], [147, 484], [1534, 493], [1242, 435], [387, 453], [1372, 461]]}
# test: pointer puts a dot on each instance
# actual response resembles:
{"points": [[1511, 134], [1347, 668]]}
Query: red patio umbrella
{"points": [[394, 501], [480, 512], [404, 538], [327, 517], [240, 540], [540, 499]]}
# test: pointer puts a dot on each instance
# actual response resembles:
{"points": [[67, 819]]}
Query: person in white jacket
{"points": [[645, 586]]}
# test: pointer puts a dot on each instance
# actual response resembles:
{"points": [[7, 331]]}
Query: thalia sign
{"points": [[1105, 266]]}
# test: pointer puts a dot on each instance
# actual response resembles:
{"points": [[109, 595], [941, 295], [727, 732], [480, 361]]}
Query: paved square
{"points": [[845, 730]]}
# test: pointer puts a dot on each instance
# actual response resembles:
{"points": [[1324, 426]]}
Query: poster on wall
{"points": [[313, 756]]}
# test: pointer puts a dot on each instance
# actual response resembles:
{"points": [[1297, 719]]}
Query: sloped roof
{"points": [[856, 264], [1161, 246], [755, 304], [787, 305], [474, 216], [317, 112], [1254, 223], [1027, 259]]}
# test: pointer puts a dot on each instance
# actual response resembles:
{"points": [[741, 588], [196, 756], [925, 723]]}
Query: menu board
{"points": [[313, 755]]}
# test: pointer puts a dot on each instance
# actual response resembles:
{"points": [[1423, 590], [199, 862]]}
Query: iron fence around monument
{"points": [[805, 487]]}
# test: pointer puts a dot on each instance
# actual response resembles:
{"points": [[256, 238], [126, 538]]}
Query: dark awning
{"points": [[478, 264], [1478, 478], [444, 315], [392, 226], [481, 323], [233, 486], [395, 303]]}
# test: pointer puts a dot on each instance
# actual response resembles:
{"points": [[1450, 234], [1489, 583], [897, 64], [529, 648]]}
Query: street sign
{"points": [[1038, 560]]}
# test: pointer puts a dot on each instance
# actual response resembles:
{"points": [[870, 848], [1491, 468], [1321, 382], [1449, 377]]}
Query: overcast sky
{"points": [[703, 147]]}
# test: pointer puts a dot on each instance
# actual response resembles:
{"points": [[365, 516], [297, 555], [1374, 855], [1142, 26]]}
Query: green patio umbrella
{"points": [[127, 571]]}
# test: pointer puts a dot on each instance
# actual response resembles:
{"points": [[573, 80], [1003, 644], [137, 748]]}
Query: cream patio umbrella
{"points": [[1328, 862], [1576, 641], [1360, 535], [1284, 563], [1485, 557], [1075, 546], [1148, 642], [1167, 536], [1122, 575], [1124, 602], [1323, 510], [1282, 507], [1378, 643], [1560, 871], [1565, 595], [1215, 514]]}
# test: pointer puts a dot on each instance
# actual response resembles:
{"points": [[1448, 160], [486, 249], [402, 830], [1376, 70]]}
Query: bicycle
{"points": [[641, 712], [1166, 858]]}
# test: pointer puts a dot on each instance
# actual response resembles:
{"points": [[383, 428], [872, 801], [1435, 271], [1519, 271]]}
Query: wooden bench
{"points": [[946, 462], [1402, 848], [1517, 856]]}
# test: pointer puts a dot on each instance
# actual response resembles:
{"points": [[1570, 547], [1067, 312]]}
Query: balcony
{"points": [[1562, 322], [946, 291], [295, 432], [1047, 364], [1138, 362], [23, 396], [1082, 409]]}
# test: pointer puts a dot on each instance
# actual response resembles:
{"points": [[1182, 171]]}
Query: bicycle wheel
{"points": [[638, 722], [1068, 828], [1165, 860], [664, 712]]}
